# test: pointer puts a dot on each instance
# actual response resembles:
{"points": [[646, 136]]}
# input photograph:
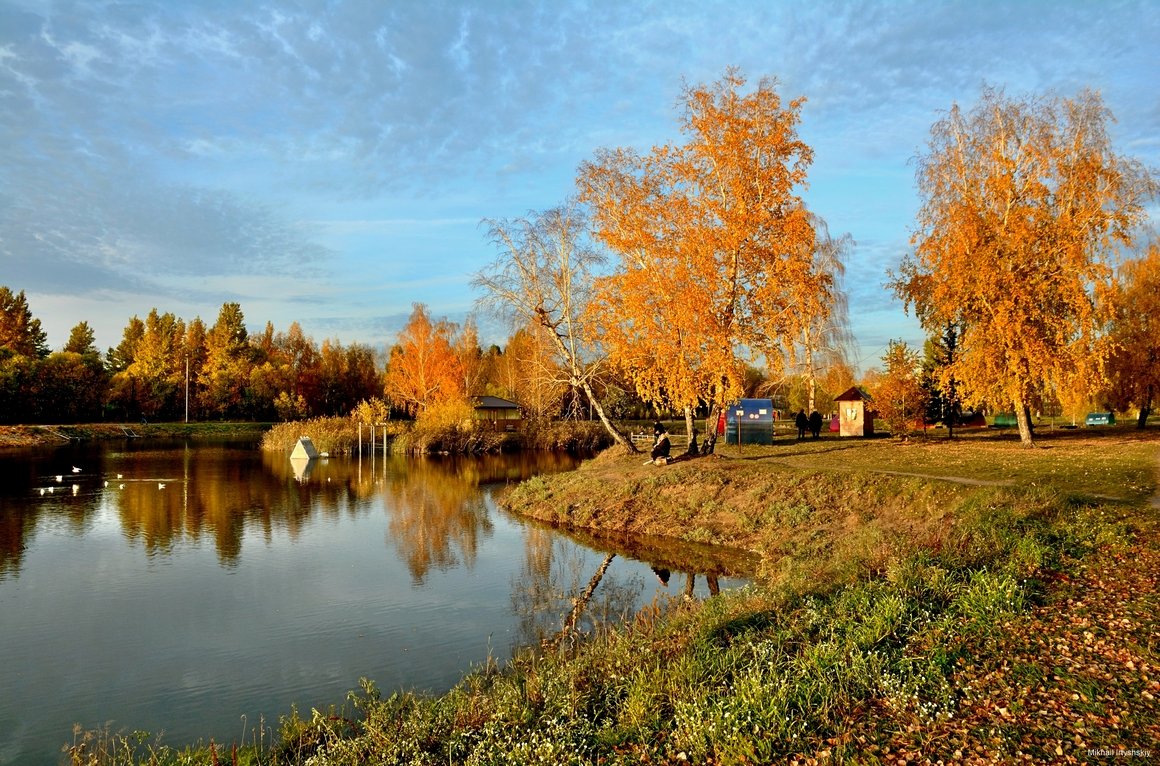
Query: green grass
{"points": [[1115, 462]]}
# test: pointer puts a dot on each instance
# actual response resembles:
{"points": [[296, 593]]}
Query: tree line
{"points": [[1030, 271], [165, 367], [285, 375], [675, 277]]}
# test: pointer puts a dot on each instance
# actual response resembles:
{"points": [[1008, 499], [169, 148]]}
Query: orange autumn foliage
{"points": [[715, 246], [424, 369], [1023, 205], [1135, 332]]}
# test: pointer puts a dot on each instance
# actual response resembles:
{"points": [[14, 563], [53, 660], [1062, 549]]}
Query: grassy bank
{"points": [[974, 615], [38, 436]]}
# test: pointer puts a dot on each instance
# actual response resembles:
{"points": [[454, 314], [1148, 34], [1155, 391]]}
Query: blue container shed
{"points": [[755, 417]]}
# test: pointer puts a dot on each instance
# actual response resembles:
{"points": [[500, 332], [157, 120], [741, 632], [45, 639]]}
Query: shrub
{"points": [[450, 427]]}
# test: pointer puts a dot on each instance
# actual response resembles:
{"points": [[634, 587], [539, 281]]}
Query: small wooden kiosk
{"points": [[855, 416]]}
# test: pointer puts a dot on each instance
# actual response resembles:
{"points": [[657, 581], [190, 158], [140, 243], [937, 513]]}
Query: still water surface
{"points": [[198, 589]]}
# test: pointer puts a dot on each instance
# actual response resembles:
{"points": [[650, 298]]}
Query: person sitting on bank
{"points": [[661, 445]]}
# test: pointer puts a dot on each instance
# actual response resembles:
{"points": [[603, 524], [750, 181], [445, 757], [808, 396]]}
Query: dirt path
{"points": [[801, 465]]}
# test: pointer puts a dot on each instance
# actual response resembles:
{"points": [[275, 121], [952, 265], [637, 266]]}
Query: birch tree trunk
{"points": [[1023, 420]]}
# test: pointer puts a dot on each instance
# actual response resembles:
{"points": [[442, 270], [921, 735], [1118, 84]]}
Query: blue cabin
{"points": [[755, 417]]}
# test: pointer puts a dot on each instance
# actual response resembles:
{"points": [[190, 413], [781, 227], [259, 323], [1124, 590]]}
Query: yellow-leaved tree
{"points": [[898, 395], [824, 336], [1135, 331], [716, 249], [528, 372], [1023, 204]]}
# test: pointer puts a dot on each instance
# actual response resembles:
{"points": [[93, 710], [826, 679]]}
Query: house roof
{"points": [[853, 394], [494, 403]]}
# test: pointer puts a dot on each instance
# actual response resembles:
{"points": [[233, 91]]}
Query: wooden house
{"points": [[500, 414], [855, 413]]}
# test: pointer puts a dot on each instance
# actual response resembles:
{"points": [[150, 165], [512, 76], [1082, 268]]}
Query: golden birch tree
{"points": [[1135, 332], [1023, 203], [528, 373], [824, 336], [714, 245], [471, 359]]}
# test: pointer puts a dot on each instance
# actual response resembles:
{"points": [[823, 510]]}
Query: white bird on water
{"points": [[119, 476], [59, 478], [160, 485], [76, 470]]}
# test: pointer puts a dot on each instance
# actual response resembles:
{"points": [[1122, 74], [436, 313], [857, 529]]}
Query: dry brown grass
{"points": [[839, 504]]}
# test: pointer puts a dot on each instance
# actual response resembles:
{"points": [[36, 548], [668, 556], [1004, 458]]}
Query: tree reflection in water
{"points": [[554, 575], [437, 516], [556, 570], [164, 495]]}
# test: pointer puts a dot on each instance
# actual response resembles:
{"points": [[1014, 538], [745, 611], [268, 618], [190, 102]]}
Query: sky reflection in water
{"points": [[208, 582]]}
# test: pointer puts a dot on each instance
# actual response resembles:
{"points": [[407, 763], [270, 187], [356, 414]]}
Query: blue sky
{"points": [[330, 162]]}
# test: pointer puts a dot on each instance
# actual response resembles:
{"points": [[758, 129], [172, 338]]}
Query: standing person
{"points": [[816, 423], [802, 423]]}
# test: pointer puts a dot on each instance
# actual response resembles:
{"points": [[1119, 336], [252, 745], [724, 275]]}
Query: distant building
{"points": [[855, 416], [501, 414]]}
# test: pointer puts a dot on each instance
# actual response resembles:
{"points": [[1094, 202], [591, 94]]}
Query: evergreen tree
{"points": [[229, 357], [943, 403], [20, 332], [81, 340]]}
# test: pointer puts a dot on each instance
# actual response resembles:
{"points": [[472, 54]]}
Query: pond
{"points": [[201, 590]]}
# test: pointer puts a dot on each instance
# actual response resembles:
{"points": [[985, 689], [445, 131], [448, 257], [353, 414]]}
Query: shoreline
{"points": [[19, 436]]}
